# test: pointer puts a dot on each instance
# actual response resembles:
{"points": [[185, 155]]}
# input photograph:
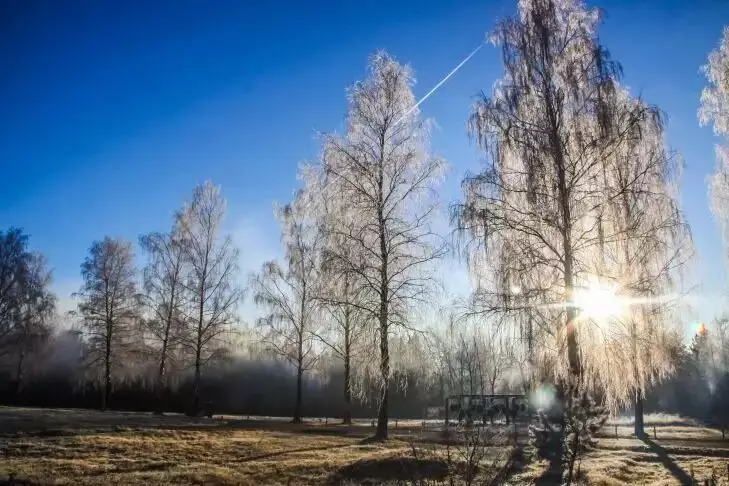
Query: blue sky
{"points": [[113, 111]]}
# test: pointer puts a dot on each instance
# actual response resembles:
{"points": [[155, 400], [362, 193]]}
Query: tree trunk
{"points": [[19, 375], [297, 406], [299, 372], [347, 415], [198, 352], [107, 371], [572, 348], [566, 230], [161, 378], [196, 387], [382, 415], [639, 424], [163, 353]]}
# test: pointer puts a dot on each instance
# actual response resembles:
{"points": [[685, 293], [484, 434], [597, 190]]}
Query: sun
{"points": [[598, 301]]}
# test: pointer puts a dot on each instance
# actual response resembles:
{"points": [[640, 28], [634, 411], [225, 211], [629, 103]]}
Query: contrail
{"points": [[427, 95]]}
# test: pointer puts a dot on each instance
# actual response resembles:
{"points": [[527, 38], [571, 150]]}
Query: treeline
{"points": [[699, 384], [55, 376], [240, 386]]}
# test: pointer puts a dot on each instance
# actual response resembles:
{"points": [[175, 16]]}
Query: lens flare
{"points": [[543, 397]]}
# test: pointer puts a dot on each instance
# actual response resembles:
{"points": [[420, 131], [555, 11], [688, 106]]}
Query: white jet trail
{"points": [[427, 95]]}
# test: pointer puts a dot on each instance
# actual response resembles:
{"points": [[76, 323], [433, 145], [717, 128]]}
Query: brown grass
{"points": [[85, 447], [141, 456]]}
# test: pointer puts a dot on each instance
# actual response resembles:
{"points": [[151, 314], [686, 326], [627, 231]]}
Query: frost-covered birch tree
{"points": [[645, 245], [164, 297], [210, 280], [381, 170], [715, 111], [550, 127], [346, 330], [288, 294], [108, 307]]}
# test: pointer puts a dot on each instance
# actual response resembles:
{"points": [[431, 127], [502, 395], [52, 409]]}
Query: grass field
{"points": [[86, 447]]}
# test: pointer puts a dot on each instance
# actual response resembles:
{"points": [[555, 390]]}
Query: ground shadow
{"points": [[17, 482], [552, 451], [515, 464], [378, 471], [668, 463]]}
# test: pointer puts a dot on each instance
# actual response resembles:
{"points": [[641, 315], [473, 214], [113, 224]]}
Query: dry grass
{"points": [[174, 454], [85, 447], [139, 456]]}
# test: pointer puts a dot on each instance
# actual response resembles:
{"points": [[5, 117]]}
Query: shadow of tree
{"points": [[390, 469], [553, 474], [515, 464], [549, 446], [668, 463]]}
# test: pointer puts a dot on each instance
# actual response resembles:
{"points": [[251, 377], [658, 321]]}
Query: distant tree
{"points": [[164, 296], [346, 329], [719, 407], [14, 271], [108, 307], [473, 355], [33, 325], [346, 332], [379, 180], [26, 302], [288, 294], [212, 267]]}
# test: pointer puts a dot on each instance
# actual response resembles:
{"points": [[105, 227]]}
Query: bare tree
{"points": [[14, 271], [32, 326], [474, 357], [379, 181], [715, 111], [494, 357], [164, 296], [288, 295], [108, 306], [345, 336], [550, 129], [212, 266], [346, 329]]}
